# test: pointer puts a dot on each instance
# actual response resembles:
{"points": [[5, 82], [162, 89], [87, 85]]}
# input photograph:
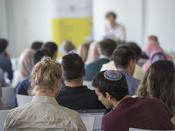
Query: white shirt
{"points": [[44, 113], [117, 32]]}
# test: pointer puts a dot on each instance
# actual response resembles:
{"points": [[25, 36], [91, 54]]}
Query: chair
{"points": [[3, 115], [37, 130], [23, 99], [8, 97], [134, 129], [88, 84]]}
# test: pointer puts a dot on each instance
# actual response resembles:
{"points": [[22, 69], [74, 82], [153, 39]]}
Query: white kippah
{"points": [[112, 75]]}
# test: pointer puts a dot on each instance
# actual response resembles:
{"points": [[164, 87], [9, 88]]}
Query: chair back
{"points": [[134, 129], [3, 115], [37, 130], [23, 99], [8, 97]]}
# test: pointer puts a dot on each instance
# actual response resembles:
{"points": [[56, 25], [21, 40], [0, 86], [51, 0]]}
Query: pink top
{"points": [[151, 48]]}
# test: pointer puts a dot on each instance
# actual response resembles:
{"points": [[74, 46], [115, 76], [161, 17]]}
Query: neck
{"points": [[116, 103], [125, 69], [45, 93], [74, 83]]}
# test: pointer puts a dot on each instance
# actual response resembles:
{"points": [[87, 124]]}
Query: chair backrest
{"points": [[3, 115], [37, 130], [8, 97], [23, 99], [134, 129]]}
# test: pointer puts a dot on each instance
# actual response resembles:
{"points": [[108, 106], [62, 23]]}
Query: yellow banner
{"points": [[77, 30]]}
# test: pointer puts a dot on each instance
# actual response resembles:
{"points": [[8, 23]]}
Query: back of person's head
{"points": [[136, 49], [36, 45], [46, 74], [3, 45], [68, 46], [107, 47], [111, 13], [159, 82], [83, 51], [39, 54], [73, 67], [52, 48], [122, 56], [112, 82], [153, 38]]}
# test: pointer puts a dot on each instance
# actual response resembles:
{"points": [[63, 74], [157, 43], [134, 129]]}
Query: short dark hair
{"points": [[107, 47], [51, 47], [136, 49], [39, 54], [111, 13], [122, 56], [117, 89], [68, 46], [36, 45], [73, 66], [3, 45]]}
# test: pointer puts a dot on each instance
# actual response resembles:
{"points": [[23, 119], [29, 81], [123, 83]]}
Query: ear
{"points": [[59, 83], [108, 96]]}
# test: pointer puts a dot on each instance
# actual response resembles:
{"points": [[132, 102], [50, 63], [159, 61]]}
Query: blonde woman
{"points": [[44, 112]]}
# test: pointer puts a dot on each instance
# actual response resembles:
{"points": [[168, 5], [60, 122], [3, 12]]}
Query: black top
{"points": [[79, 98]]}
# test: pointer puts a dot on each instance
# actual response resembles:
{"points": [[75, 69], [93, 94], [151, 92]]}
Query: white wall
{"points": [[129, 14], [160, 20], [31, 21]]}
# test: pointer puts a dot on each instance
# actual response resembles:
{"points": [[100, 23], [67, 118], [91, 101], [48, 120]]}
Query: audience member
{"points": [[75, 95], [159, 82], [5, 62], [24, 86], [93, 53], [139, 72], [83, 51], [68, 47], [154, 51], [52, 48], [124, 60], [25, 64], [44, 112], [114, 30], [106, 48], [127, 112]]}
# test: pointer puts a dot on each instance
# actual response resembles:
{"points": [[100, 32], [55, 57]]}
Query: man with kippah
{"points": [[127, 112]]}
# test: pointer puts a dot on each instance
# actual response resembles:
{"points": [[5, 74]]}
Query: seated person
{"points": [[139, 72], [52, 48], [124, 60], [5, 62], [44, 112], [159, 82], [25, 63], [24, 87], [127, 112], [75, 95], [68, 47], [106, 48]]}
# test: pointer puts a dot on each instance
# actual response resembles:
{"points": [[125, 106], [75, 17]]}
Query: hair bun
{"points": [[112, 75], [46, 60]]}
